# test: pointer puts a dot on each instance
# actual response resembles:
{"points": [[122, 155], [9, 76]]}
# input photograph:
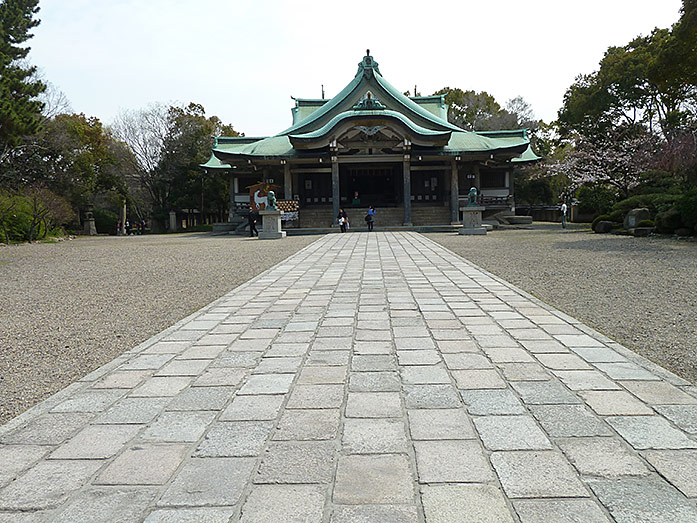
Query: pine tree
{"points": [[20, 110]]}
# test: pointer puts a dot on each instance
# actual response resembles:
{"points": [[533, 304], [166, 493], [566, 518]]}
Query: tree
{"points": [[168, 145], [616, 160], [20, 109], [475, 111]]}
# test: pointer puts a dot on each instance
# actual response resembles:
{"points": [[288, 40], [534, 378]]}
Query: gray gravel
{"points": [[68, 308], [641, 292]]}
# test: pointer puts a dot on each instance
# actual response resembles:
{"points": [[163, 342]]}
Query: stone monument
{"points": [[472, 215], [90, 228], [271, 220]]}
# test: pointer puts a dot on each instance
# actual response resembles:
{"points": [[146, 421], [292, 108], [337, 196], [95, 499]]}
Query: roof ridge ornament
{"points": [[368, 103], [368, 65]]}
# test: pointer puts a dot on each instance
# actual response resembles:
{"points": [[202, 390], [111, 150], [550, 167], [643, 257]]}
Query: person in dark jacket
{"points": [[370, 218], [252, 218], [343, 220]]}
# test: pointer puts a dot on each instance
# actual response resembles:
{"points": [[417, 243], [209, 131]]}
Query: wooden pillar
{"points": [[336, 199], [233, 184], [454, 193], [511, 188], [477, 178], [406, 170], [287, 182]]}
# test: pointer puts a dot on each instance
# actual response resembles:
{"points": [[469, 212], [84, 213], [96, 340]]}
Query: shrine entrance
{"points": [[376, 184]]}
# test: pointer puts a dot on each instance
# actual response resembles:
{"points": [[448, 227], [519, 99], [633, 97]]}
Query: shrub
{"points": [[645, 223], [594, 199], [105, 221], [668, 221], [601, 218], [655, 203], [687, 207], [617, 216]]}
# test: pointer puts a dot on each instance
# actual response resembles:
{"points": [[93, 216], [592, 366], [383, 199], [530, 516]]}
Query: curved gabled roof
{"points": [[369, 97], [368, 78]]}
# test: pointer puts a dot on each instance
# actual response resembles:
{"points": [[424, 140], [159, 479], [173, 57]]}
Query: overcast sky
{"points": [[242, 60]]}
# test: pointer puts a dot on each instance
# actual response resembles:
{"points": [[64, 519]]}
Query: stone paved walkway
{"points": [[370, 377]]}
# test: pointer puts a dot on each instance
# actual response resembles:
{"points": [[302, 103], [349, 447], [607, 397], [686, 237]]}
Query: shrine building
{"points": [[372, 145]]}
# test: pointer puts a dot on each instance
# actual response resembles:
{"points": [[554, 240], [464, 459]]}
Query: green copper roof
{"points": [[381, 114], [367, 100], [527, 156], [368, 78]]}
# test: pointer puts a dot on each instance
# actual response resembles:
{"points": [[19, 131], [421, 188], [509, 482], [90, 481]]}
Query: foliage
{"points": [[667, 222], [655, 203], [479, 111], [614, 160], [595, 198], [600, 218], [168, 145], [645, 223], [687, 207], [637, 84], [534, 191], [105, 221], [32, 214], [20, 110]]}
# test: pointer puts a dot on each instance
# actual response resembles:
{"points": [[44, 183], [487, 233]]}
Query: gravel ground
{"points": [[67, 308], [641, 292]]}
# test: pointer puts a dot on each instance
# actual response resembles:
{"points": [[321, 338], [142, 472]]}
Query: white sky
{"points": [[243, 59]]}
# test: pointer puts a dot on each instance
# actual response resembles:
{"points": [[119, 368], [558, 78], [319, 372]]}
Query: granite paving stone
{"points": [[569, 420], [602, 457], [461, 461], [431, 397], [374, 436], [434, 424], [287, 503], [684, 416], [178, 426], [483, 402], [649, 500], [312, 424], [560, 511], [316, 397], [47, 484], [478, 379], [96, 442], [209, 482], [386, 513], [378, 479], [615, 403], [511, 433], [301, 462], [250, 408], [537, 474], [48, 429], [113, 504], [544, 393], [374, 382], [234, 439], [659, 393], [267, 384], [373, 405], [464, 503], [147, 464], [679, 467], [17, 458], [650, 432], [201, 398]]}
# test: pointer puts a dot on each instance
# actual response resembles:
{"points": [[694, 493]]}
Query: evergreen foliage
{"points": [[20, 110]]}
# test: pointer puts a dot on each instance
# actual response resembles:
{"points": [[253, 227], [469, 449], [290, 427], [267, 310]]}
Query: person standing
{"points": [[127, 226], [370, 218], [252, 219], [342, 219], [563, 215]]}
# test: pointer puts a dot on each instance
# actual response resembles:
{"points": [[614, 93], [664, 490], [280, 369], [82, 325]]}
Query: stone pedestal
{"points": [[90, 227], [472, 220], [271, 226], [172, 221]]}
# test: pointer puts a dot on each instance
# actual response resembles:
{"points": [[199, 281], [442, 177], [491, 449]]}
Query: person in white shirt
{"points": [[563, 215]]}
